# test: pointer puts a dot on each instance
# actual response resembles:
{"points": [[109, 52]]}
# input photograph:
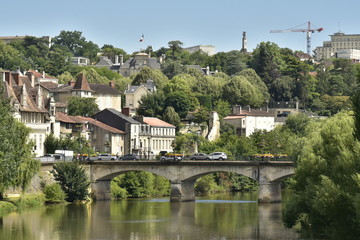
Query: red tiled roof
{"points": [[81, 83], [102, 125], [152, 121]]}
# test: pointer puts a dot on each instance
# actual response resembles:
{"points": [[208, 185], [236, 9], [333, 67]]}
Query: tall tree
{"points": [[16, 164], [175, 46]]}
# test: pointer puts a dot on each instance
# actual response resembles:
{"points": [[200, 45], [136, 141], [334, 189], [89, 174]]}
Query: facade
{"points": [[133, 95], [126, 124], [106, 96], [80, 61], [246, 122], [208, 49], [102, 138], [352, 54], [155, 136], [339, 41], [136, 64], [31, 105]]}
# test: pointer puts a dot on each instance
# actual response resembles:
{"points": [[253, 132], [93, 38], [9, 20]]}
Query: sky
{"points": [[197, 22]]}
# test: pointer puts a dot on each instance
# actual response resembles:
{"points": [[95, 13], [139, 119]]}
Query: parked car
{"points": [[130, 156], [199, 156], [218, 156], [106, 157], [171, 157]]}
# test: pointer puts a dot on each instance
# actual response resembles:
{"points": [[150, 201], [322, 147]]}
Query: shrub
{"points": [[73, 180], [30, 201], [117, 192], [6, 207], [54, 193]]}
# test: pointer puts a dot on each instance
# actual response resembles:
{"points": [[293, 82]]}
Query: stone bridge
{"points": [[182, 175]]}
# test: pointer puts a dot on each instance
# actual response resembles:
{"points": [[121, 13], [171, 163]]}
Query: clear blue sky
{"points": [[206, 22]]}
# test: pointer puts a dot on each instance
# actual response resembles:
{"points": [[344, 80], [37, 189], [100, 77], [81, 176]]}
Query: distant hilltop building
{"points": [[341, 45], [13, 38], [208, 49]]}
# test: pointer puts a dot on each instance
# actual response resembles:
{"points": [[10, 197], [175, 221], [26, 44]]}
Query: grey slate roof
{"points": [[123, 116], [131, 89], [103, 89], [132, 63]]}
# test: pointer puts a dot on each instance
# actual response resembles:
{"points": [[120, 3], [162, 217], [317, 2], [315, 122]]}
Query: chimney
{"points": [[116, 59], [237, 109], [112, 83], [39, 97], [249, 108], [71, 83], [24, 95], [32, 78], [16, 77], [43, 74], [126, 111], [121, 59], [8, 78]]}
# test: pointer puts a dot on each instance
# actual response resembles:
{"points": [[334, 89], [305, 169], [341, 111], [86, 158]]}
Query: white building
{"points": [[352, 54], [208, 49], [339, 41], [247, 122]]}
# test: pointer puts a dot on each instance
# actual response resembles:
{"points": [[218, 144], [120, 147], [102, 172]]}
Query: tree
{"points": [[78, 106], [73, 180], [172, 68], [327, 181], [11, 59], [175, 46], [16, 164], [147, 73], [267, 61], [180, 102], [172, 117], [240, 91], [151, 105]]}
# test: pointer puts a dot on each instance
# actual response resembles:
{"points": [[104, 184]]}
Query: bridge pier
{"points": [[269, 192], [182, 191], [100, 190]]}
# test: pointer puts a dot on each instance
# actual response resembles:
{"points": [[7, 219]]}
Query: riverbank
{"points": [[13, 204]]}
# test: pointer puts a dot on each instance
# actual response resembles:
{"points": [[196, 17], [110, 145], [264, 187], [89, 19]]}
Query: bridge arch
{"points": [[182, 175]]}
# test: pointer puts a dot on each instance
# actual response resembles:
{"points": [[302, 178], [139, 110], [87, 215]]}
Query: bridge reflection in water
{"points": [[182, 175]]}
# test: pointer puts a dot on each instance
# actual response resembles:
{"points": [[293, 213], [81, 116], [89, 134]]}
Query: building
{"points": [[156, 136], [80, 61], [136, 64], [31, 105], [106, 96], [133, 95], [126, 124], [246, 122], [9, 39], [101, 137], [339, 41], [208, 49], [352, 54]]}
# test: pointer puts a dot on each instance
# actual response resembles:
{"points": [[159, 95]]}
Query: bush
{"points": [[54, 193], [30, 201], [73, 180], [6, 208], [117, 192]]}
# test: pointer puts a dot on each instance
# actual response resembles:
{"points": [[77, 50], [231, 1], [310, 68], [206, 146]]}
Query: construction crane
{"points": [[308, 34]]}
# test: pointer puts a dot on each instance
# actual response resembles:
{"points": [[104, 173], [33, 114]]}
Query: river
{"points": [[212, 217]]}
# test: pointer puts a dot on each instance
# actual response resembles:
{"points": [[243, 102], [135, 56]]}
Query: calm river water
{"points": [[221, 216]]}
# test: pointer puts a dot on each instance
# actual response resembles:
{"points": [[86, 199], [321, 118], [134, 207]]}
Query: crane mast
{"points": [[308, 31]]}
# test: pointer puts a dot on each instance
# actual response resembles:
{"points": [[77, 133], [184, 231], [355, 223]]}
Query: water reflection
{"points": [[236, 216]]}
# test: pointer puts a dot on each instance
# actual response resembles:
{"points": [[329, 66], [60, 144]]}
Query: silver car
{"points": [[218, 156], [106, 157]]}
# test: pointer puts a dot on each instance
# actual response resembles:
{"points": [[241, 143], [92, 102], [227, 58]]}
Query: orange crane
{"points": [[308, 34]]}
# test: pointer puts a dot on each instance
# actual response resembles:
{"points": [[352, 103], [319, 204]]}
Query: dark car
{"points": [[199, 156], [130, 156]]}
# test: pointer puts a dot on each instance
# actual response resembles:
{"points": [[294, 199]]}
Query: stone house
{"points": [[126, 124], [133, 95], [137, 63], [106, 95], [31, 105], [248, 121]]}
